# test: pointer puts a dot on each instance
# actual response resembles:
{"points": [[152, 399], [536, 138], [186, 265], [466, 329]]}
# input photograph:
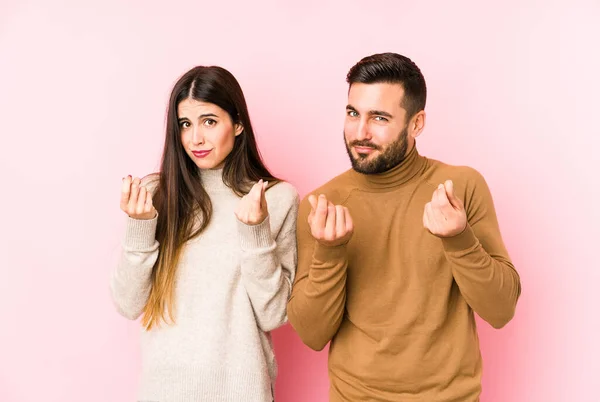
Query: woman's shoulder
{"points": [[282, 192]]}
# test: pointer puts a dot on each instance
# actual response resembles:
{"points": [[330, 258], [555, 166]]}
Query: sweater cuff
{"points": [[140, 234], [325, 253], [255, 236], [462, 241]]}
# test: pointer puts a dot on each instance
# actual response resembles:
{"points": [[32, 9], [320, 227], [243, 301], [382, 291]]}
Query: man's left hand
{"points": [[445, 215]]}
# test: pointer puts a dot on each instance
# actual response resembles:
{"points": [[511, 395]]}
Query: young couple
{"points": [[388, 261]]}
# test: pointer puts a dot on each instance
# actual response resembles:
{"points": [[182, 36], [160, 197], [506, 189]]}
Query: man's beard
{"points": [[389, 157]]}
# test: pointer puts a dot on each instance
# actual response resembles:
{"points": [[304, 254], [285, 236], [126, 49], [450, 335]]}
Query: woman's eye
{"points": [[209, 122], [184, 124]]}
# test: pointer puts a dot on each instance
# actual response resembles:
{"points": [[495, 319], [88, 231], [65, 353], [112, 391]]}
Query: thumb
{"points": [[257, 191], [454, 200], [425, 217], [313, 206], [263, 199]]}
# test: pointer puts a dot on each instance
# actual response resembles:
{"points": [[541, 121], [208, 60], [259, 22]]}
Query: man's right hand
{"points": [[136, 201], [331, 225]]}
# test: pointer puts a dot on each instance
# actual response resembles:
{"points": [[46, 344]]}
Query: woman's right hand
{"points": [[136, 200]]}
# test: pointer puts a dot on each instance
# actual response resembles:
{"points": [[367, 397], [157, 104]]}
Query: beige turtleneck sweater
{"points": [[231, 290]]}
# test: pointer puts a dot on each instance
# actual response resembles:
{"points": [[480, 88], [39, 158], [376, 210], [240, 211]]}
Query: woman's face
{"points": [[207, 132]]}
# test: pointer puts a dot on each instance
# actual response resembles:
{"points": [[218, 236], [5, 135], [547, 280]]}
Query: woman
{"points": [[209, 253]]}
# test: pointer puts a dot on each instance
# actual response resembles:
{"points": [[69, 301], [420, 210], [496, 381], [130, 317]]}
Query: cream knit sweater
{"points": [[232, 287]]}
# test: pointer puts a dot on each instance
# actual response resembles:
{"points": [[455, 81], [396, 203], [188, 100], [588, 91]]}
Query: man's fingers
{"points": [[434, 195], [312, 200], [340, 221], [453, 199], [311, 217], [322, 204], [440, 202], [348, 220], [330, 224], [320, 217], [426, 214], [436, 213], [449, 187], [439, 196]]}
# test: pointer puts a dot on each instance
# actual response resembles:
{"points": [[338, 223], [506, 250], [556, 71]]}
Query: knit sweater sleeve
{"points": [[318, 301], [269, 257], [130, 280], [481, 266]]}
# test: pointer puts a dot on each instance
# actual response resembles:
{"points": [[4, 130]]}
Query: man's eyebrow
{"points": [[371, 112], [379, 113]]}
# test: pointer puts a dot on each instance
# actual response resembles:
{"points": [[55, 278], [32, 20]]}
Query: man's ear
{"points": [[417, 124]]}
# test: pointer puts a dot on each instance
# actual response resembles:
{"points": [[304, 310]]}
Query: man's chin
{"points": [[362, 165], [364, 157]]}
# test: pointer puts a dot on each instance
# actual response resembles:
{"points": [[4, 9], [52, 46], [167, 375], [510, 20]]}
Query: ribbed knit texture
{"points": [[232, 287]]}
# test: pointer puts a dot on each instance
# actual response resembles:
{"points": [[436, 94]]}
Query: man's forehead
{"points": [[376, 96]]}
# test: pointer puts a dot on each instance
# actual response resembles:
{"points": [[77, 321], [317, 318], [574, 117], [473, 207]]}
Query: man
{"points": [[396, 254]]}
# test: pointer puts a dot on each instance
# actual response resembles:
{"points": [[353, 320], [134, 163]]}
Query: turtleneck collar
{"points": [[410, 167], [212, 180]]}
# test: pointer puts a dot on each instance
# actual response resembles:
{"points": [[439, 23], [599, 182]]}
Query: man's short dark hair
{"points": [[393, 68]]}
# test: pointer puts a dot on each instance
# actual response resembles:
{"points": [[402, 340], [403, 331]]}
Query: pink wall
{"points": [[513, 91]]}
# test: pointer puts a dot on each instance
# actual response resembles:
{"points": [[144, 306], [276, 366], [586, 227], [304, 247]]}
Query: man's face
{"points": [[375, 129]]}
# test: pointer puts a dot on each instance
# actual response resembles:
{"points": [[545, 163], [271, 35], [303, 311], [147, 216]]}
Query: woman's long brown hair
{"points": [[184, 208]]}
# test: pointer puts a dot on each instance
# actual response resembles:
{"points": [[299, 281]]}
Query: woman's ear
{"points": [[239, 128]]}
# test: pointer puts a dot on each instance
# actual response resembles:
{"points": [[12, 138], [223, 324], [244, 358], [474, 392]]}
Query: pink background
{"points": [[513, 92]]}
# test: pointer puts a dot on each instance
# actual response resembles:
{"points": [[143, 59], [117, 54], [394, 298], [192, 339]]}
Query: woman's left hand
{"points": [[252, 208]]}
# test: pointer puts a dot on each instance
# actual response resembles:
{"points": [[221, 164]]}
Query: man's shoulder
{"points": [[337, 189], [462, 175]]}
